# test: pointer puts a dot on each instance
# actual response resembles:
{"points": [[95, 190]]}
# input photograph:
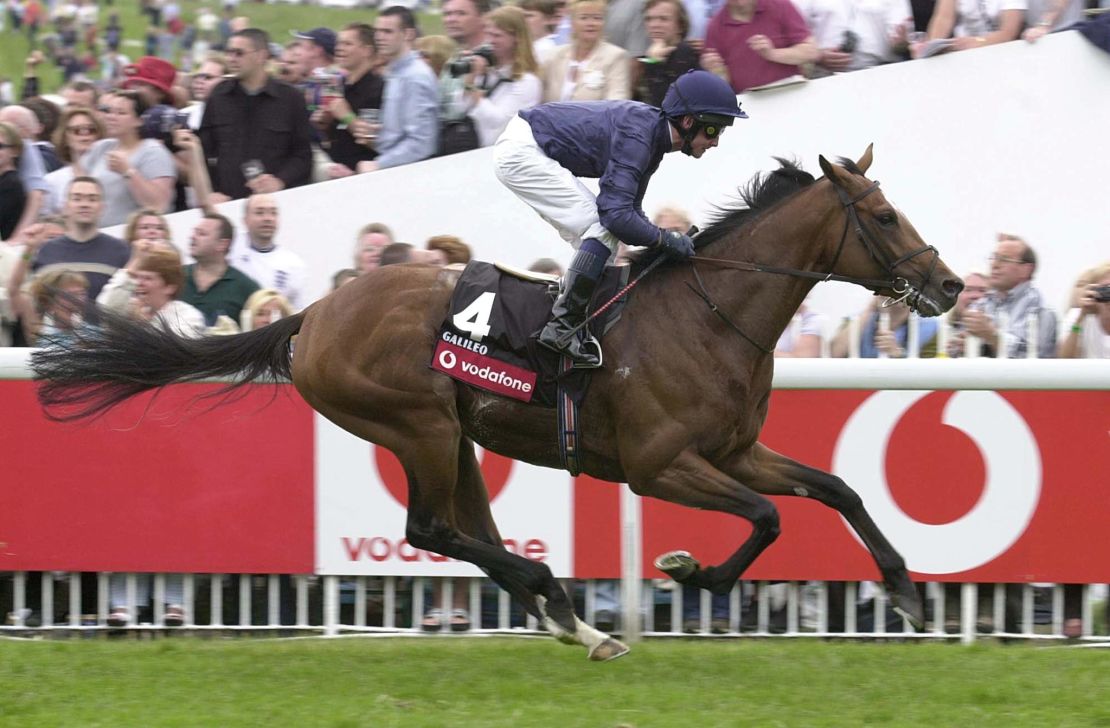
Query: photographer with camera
{"points": [[463, 23], [500, 77], [852, 36], [1087, 324], [134, 171]]}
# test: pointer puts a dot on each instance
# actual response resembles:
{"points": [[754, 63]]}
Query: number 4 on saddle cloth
{"points": [[488, 339]]}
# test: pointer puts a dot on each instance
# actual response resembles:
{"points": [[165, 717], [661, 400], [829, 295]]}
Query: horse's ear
{"points": [[834, 173], [865, 161]]}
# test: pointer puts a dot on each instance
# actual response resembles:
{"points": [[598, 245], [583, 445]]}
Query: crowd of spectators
{"points": [[215, 110]]}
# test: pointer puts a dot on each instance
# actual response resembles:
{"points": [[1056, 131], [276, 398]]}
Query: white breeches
{"points": [[548, 187]]}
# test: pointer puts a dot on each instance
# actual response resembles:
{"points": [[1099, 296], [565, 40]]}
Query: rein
{"points": [[901, 286]]}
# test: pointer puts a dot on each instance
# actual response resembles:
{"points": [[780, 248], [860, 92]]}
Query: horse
{"points": [[675, 412]]}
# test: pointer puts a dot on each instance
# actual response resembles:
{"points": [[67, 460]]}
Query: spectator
{"points": [[211, 285], [83, 248], [454, 250], [261, 259], [289, 67], [1087, 324], [372, 239], [13, 197], [254, 127], [342, 277], [1049, 16], [462, 22], [973, 23], [143, 227], [541, 17], [622, 144], [435, 50], [889, 337], [588, 68], [112, 64], [80, 93], [396, 254], [1012, 294], [851, 36], [133, 171], [624, 26], [78, 130], [150, 292], [207, 76], [409, 124], [803, 335], [1086, 336], [314, 50], [975, 287], [32, 172], [153, 79], [47, 115], [362, 91], [60, 299], [264, 307], [756, 42], [668, 55], [494, 95]]}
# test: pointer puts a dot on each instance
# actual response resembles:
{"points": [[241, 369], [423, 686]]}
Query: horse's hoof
{"points": [[679, 565], [608, 649], [910, 608]]}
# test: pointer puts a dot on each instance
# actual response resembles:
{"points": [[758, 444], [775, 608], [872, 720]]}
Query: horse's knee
{"points": [[766, 521], [434, 537], [841, 497]]}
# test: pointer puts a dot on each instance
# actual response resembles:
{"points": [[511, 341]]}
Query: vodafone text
{"points": [[381, 548]]}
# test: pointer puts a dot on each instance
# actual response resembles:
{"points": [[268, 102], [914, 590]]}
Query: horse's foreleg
{"points": [[773, 474], [692, 481]]}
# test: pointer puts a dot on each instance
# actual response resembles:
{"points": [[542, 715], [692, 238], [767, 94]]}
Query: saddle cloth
{"points": [[488, 339]]}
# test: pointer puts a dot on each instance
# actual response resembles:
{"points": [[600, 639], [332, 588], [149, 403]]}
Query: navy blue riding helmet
{"points": [[706, 97]]}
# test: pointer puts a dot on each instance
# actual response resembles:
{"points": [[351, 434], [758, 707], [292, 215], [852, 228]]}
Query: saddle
{"points": [[488, 338]]}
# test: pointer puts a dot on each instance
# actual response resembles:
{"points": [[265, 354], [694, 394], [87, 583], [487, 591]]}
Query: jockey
{"points": [[544, 150]]}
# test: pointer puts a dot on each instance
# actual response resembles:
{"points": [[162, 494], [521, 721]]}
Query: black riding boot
{"points": [[569, 310]]}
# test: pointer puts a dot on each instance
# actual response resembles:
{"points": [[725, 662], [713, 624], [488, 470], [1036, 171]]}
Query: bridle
{"points": [[901, 285]]}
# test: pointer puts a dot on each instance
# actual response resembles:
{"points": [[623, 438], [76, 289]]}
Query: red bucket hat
{"points": [[155, 71]]}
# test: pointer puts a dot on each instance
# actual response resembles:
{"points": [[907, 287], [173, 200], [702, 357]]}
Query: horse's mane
{"points": [[762, 192]]}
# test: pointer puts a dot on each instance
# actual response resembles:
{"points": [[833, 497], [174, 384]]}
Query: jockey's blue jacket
{"points": [[620, 142]]}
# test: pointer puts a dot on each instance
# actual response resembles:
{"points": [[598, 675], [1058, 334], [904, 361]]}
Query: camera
{"points": [[159, 122], [849, 42], [462, 65], [1102, 293]]}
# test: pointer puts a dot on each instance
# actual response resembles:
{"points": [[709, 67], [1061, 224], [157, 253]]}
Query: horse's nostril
{"points": [[952, 287]]}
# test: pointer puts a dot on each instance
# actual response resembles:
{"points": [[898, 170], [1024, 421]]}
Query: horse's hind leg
{"points": [[550, 605], [768, 472]]}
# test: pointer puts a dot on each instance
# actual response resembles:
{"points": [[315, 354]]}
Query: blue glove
{"points": [[676, 245]]}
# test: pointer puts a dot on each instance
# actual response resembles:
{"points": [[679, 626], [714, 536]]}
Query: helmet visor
{"points": [[713, 124]]}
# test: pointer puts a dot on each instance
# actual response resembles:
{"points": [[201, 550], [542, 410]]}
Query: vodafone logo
{"points": [[1010, 471], [496, 470], [447, 359]]}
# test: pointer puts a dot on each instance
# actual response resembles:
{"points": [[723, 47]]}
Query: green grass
{"points": [[277, 19], [517, 682]]}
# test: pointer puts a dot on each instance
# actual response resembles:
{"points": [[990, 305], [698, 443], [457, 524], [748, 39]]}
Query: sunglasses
{"points": [[82, 129]]}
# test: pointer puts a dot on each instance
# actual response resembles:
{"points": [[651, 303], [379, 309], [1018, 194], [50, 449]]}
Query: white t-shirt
{"points": [[180, 318], [151, 159], [979, 17], [804, 322], [492, 114], [278, 268]]}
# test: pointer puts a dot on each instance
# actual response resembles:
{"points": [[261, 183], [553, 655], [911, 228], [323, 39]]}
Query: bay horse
{"points": [[676, 412]]}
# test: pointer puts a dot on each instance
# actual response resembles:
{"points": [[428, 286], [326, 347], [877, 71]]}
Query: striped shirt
{"points": [[1018, 305]]}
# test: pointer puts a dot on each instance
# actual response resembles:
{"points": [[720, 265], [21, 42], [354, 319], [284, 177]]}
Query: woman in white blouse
{"points": [[587, 68], [495, 95]]}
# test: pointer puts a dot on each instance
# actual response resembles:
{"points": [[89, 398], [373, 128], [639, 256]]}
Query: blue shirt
{"points": [[619, 142], [410, 113]]}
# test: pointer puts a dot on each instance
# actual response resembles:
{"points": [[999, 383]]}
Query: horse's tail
{"points": [[106, 364]]}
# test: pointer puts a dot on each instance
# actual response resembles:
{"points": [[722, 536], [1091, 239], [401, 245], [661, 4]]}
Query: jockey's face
{"points": [[701, 143]]}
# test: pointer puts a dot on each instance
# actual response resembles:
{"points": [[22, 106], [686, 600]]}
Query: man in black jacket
{"points": [[255, 128]]}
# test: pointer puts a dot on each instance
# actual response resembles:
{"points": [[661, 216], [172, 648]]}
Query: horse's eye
{"points": [[887, 219]]}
